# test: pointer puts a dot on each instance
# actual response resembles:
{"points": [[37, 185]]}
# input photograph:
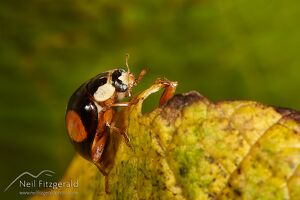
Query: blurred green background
{"points": [[224, 49]]}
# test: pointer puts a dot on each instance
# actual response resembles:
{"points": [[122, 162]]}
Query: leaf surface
{"points": [[192, 148]]}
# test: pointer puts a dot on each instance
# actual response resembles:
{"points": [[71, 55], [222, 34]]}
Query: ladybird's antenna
{"points": [[126, 62], [128, 73]]}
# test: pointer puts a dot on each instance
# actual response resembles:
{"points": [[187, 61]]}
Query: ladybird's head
{"points": [[123, 81], [117, 82]]}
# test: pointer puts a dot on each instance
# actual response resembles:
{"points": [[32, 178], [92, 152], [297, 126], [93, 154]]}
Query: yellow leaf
{"points": [[192, 148]]}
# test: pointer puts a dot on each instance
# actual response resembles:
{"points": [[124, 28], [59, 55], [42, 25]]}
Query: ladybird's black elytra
{"points": [[80, 102], [88, 113]]}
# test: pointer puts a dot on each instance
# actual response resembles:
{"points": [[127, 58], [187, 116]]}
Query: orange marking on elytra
{"points": [[75, 126]]}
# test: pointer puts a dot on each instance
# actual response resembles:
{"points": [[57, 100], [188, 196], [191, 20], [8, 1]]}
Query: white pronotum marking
{"points": [[124, 78], [104, 92]]}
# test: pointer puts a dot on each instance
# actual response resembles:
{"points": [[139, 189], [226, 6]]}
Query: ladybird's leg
{"points": [[120, 104], [106, 179], [100, 139], [108, 118], [169, 90], [140, 76], [98, 147], [125, 104], [97, 150], [123, 133]]}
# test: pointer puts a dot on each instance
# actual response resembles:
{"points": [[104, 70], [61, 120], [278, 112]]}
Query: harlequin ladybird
{"points": [[90, 113]]}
